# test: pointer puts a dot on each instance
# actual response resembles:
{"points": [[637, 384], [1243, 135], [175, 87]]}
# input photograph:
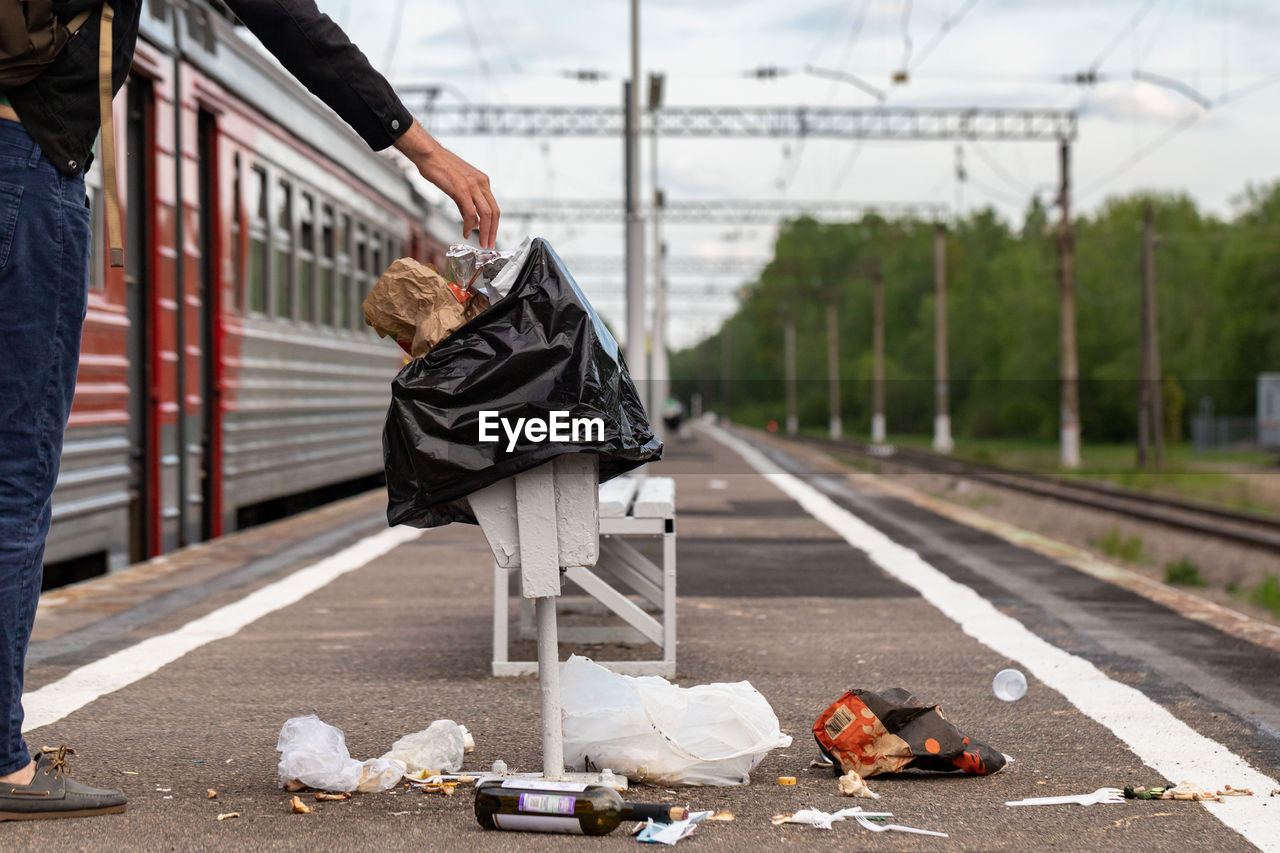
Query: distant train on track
{"points": [[228, 364]]}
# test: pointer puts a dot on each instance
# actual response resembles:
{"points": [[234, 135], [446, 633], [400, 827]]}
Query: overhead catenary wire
{"points": [[1177, 128], [906, 34], [474, 38], [947, 25], [1003, 173], [394, 42], [1120, 36]]}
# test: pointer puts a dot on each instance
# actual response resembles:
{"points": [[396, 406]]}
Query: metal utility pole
{"points": [[1150, 410], [1069, 423], [659, 378], [877, 356], [789, 357], [637, 356], [941, 396], [835, 423]]}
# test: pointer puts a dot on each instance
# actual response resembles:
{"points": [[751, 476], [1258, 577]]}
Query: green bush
{"points": [[1115, 544], [1183, 572], [1267, 594]]}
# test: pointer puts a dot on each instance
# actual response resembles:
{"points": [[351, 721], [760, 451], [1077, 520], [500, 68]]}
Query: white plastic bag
{"points": [[437, 749], [315, 753], [653, 731]]}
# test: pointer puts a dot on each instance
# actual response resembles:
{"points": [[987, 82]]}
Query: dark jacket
{"points": [[60, 107]]}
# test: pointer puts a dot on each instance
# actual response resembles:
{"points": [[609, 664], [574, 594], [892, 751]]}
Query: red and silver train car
{"points": [[228, 364]]}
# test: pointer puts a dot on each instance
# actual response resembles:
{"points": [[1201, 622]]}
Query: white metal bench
{"points": [[624, 582]]}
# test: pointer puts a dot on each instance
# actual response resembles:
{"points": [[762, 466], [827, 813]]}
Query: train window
{"points": [[343, 318], [328, 281], [361, 279], [256, 275], [283, 244], [375, 263], [306, 258], [237, 210]]}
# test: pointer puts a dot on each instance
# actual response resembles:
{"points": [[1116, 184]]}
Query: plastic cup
{"points": [[1009, 685]]}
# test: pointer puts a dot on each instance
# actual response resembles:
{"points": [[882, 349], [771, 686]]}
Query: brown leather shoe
{"points": [[52, 794]]}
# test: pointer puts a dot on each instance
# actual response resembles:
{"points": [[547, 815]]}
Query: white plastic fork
{"points": [[1102, 795], [863, 821]]}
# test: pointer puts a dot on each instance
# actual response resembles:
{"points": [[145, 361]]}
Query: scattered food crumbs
{"points": [[779, 819], [213, 795], [446, 788], [724, 816], [851, 785], [293, 785], [326, 796], [299, 807], [786, 780], [1190, 791], [228, 815]]}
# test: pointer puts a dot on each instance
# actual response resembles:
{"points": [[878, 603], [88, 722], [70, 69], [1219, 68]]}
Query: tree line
{"points": [[1218, 303]]}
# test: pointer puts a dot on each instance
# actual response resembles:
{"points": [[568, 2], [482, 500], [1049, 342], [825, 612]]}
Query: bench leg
{"points": [[500, 616], [549, 684], [669, 597]]}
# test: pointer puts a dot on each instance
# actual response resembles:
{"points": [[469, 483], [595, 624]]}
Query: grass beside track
{"points": [[1240, 480]]}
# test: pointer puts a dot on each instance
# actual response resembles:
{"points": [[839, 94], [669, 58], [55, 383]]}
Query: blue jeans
{"points": [[44, 265]]}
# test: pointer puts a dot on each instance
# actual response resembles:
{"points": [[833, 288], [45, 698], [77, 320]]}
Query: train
{"points": [[228, 365]]}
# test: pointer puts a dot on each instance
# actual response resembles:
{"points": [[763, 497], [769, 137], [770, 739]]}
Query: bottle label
{"points": [[539, 785], [538, 823], [547, 803]]}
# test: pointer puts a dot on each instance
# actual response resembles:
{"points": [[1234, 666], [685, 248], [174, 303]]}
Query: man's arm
{"points": [[316, 51]]}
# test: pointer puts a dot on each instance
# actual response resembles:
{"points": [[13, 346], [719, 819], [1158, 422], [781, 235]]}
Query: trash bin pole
{"points": [[549, 685], [557, 524]]}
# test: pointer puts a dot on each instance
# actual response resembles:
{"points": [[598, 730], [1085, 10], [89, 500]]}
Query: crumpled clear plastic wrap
{"points": [[437, 749], [315, 754], [653, 731]]}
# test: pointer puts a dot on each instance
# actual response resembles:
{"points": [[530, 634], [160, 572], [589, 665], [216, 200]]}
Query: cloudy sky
{"points": [[1209, 131]]}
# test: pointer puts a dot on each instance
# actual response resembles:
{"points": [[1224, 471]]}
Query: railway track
{"points": [[1245, 528]]}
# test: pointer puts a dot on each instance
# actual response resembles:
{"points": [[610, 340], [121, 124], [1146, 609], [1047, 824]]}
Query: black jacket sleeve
{"points": [[316, 51]]}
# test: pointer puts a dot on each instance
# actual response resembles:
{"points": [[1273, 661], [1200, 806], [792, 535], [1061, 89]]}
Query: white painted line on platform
{"points": [[82, 686], [1162, 741]]}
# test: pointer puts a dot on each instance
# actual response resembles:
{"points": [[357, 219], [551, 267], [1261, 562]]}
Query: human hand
{"points": [[462, 182]]}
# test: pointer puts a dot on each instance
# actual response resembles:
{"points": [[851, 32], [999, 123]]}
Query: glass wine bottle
{"points": [[527, 805]]}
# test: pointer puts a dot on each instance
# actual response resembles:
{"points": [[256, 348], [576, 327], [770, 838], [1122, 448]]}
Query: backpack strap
{"points": [[78, 21], [114, 239]]}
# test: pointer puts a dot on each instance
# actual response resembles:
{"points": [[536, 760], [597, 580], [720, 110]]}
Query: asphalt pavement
{"points": [[767, 593]]}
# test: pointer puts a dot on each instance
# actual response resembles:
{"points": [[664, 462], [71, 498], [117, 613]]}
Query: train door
{"points": [[140, 299], [210, 334]]}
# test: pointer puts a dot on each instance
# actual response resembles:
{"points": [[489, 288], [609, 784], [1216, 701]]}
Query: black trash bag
{"points": [[540, 349]]}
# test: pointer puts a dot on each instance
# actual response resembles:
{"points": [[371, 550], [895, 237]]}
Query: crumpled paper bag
{"points": [[414, 304], [872, 733]]}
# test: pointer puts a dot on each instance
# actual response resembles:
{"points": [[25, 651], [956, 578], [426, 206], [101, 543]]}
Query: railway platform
{"points": [[800, 575]]}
